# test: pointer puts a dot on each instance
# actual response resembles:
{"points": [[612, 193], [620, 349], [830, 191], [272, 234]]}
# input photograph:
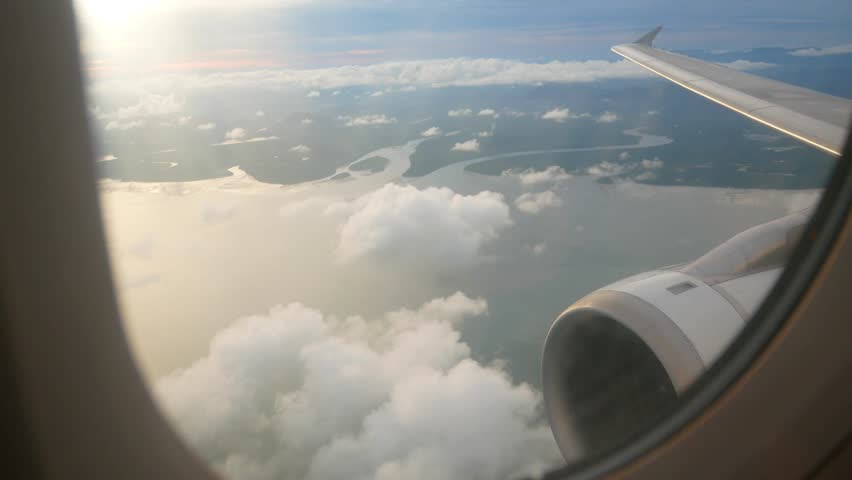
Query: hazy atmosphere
{"points": [[340, 230]]}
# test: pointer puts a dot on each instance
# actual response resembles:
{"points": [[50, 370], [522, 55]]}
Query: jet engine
{"points": [[616, 361]]}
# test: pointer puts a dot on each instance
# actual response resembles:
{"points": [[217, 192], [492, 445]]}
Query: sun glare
{"points": [[107, 14]]}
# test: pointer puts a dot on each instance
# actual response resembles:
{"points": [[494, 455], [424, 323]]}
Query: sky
{"points": [[147, 37]]}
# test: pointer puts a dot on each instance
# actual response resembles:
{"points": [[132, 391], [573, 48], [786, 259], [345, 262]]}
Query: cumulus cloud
{"points": [[747, 65], [534, 203], [608, 168], [485, 134], [149, 105], [433, 227], [607, 117], [235, 134], [624, 156], [301, 149], [531, 177], [366, 120], [238, 135], [651, 163], [487, 112], [377, 93], [432, 132], [820, 52], [468, 146], [461, 112], [206, 126], [558, 115], [295, 393], [432, 73]]}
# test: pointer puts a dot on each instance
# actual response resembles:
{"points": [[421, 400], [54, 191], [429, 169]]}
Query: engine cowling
{"points": [[615, 362]]}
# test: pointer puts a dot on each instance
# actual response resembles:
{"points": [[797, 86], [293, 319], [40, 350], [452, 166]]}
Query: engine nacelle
{"points": [[615, 362]]}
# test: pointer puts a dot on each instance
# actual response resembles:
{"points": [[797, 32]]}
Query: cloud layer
{"points": [[431, 73], [298, 394], [821, 52]]}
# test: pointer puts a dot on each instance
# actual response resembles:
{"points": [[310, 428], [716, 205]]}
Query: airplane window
{"points": [[458, 240]]}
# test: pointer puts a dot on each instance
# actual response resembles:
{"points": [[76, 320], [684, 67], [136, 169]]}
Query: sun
{"points": [[108, 14]]}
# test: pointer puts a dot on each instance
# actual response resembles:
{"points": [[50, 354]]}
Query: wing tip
{"points": [[648, 38]]}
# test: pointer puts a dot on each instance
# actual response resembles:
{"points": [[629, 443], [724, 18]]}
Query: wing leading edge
{"points": [[812, 117]]}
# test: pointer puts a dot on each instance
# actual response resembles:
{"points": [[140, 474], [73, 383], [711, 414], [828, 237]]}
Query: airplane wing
{"points": [[815, 118]]}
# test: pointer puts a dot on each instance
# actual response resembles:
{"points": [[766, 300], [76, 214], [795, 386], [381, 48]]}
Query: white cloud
{"points": [[260, 113], [307, 121], [124, 125], [607, 117], [261, 139], [819, 52], [433, 227], [301, 149], [235, 134], [624, 156], [530, 177], [366, 120], [432, 73], [608, 168], [747, 65], [295, 393], [333, 94], [377, 93], [538, 248], [485, 134], [206, 126], [468, 146], [652, 113], [461, 112], [652, 163], [238, 135], [558, 115], [534, 203], [149, 105], [107, 158], [487, 112], [432, 132]]}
